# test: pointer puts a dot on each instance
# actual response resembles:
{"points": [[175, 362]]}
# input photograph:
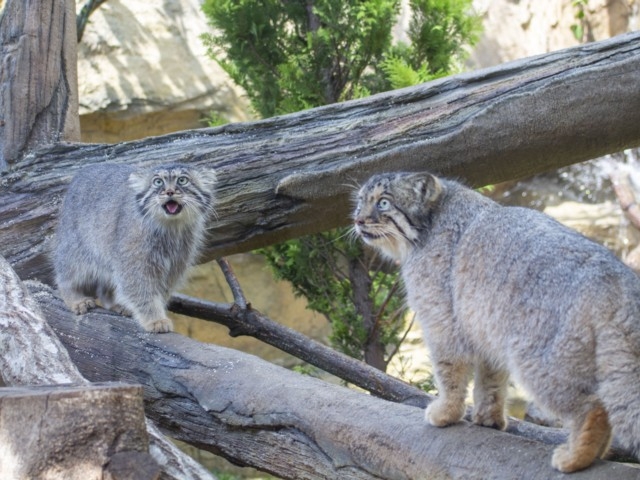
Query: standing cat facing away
{"points": [[127, 237], [508, 290]]}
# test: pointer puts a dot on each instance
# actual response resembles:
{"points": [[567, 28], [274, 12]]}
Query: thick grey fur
{"points": [[116, 242], [508, 290]]}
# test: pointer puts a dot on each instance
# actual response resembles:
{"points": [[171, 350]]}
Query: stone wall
{"points": [[143, 71]]}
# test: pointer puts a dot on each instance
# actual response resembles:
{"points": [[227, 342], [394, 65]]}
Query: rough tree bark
{"points": [[31, 354], [282, 178], [68, 432], [293, 175], [294, 426], [38, 79]]}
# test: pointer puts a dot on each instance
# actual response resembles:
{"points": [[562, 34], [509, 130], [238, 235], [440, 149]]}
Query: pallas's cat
{"points": [[127, 236], [507, 290]]}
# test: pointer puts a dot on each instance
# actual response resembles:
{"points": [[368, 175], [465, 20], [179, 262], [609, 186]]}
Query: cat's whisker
{"points": [[346, 233]]}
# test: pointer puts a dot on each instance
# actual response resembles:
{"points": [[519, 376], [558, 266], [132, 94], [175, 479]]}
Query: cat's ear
{"points": [[207, 178], [139, 181], [427, 187]]}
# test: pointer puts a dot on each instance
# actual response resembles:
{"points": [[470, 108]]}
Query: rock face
{"points": [[521, 28], [143, 70]]}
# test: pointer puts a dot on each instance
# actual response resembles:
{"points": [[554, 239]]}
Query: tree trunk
{"points": [[38, 79], [282, 178], [296, 427], [374, 350], [292, 175]]}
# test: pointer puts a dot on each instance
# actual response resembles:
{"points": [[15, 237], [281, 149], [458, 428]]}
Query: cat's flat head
{"points": [[176, 194], [393, 209]]}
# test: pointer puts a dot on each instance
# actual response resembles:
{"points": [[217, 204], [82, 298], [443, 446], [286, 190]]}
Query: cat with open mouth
{"points": [[131, 258]]}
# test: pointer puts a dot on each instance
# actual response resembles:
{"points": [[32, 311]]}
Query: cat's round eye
{"points": [[183, 181], [158, 182], [384, 204]]}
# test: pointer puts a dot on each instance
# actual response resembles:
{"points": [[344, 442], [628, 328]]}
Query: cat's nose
{"points": [[359, 221], [169, 192]]}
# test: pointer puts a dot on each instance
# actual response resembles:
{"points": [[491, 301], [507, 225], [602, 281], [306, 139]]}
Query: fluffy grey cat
{"points": [[127, 236], [508, 290]]}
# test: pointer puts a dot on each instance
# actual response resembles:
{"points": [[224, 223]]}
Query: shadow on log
{"points": [[297, 427]]}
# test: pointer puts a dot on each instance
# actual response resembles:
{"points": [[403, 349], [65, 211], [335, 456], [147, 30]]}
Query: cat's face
{"points": [[392, 210], [174, 193]]}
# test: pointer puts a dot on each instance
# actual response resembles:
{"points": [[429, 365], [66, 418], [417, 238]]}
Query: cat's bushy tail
{"points": [[618, 364]]}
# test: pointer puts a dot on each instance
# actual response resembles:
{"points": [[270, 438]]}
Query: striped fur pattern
{"points": [[126, 237], [507, 291]]}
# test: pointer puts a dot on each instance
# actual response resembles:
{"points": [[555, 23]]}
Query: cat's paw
{"points": [[81, 307], [163, 325], [567, 461], [120, 310], [441, 414], [492, 417]]}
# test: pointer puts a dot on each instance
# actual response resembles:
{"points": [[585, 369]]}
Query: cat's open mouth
{"points": [[369, 236], [172, 207]]}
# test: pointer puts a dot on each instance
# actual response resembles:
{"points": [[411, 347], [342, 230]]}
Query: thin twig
{"points": [[626, 197], [234, 284]]}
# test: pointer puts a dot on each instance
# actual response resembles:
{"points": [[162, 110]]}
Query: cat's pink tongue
{"points": [[172, 207]]}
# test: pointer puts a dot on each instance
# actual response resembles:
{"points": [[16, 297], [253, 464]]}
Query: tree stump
{"points": [[81, 432]]}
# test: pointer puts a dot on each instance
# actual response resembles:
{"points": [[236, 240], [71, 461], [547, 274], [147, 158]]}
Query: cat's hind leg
{"points": [[589, 438], [75, 298], [106, 296], [489, 396], [452, 379]]}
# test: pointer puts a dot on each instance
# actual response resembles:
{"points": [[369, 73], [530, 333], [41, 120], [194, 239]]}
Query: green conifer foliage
{"points": [[291, 55]]}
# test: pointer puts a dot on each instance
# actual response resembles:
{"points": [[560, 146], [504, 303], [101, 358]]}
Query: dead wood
{"points": [[69, 432], [38, 79], [293, 426], [33, 355], [288, 176], [241, 319]]}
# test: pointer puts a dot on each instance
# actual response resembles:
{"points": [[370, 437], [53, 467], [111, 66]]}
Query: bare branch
{"points": [[232, 281], [83, 17], [623, 189], [252, 323]]}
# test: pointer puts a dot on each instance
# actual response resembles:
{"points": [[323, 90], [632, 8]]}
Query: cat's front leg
{"points": [[489, 395], [452, 379], [152, 314], [147, 305]]}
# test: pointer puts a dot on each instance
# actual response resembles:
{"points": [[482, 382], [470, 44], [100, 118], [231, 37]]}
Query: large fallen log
{"points": [[294, 426], [292, 175]]}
